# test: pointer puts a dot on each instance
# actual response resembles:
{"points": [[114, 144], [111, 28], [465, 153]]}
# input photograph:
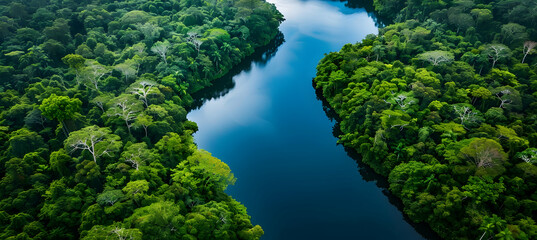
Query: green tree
{"points": [[144, 121], [513, 32], [161, 49], [485, 153], [110, 197], [24, 141], [437, 57], [60, 161], [204, 172], [112, 232], [60, 108], [496, 52], [74, 61], [95, 140], [175, 148], [126, 108], [136, 190], [160, 220], [483, 190], [138, 155], [490, 225]]}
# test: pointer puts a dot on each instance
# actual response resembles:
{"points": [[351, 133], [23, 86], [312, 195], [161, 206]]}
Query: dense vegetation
{"points": [[94, 138], [443, 102]]}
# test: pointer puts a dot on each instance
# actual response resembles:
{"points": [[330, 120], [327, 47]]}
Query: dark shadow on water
{"points": [[223, 85], [369, 8], [368, 174]]}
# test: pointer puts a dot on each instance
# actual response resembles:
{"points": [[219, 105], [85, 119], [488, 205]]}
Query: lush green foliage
{"points": [[444, 103], [95, 141]]}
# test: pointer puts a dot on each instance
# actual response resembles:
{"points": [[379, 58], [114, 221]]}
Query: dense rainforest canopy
{"points": [[443, 102], [94, 141]]}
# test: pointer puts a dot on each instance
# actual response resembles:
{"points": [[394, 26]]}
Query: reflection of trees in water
{"points": [[223, 85], [369, 8], [368, 174]]}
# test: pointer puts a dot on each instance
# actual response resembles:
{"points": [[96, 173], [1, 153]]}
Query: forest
{"points": [[94, 140], [443, 103]]}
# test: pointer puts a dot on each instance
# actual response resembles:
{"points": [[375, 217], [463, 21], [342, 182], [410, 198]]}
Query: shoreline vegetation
{"points": [[95, 140], [442, 103]]}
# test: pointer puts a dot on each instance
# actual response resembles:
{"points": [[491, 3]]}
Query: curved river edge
{"points": [[261, 56], [368, 174], [221, 86]]}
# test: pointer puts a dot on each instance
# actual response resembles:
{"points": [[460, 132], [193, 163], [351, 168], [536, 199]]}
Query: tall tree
{"points": [[125, 107], [95, 140], [496, 52], [161, 49], [437, 57], [143, 89], [92, 75], [528, 47], [60, 108], [127, 68], [484, 153]]}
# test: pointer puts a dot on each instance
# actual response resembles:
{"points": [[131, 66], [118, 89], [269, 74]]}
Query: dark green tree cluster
{"points": [[444, 105], [94, 140]]}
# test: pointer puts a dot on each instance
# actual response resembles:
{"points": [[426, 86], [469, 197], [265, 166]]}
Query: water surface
{"points": [[269, 127]]}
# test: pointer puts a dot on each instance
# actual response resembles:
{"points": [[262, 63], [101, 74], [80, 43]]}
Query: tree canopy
{"points": [[93, 122], [442, 102]]}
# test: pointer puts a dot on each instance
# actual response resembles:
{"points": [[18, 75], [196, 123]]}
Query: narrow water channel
{"points": [[267, 124]]}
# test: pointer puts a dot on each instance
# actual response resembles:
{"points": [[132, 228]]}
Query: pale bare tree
{"points": [[101, 100], [93, 74], [465, 114], [197, 44], [437, 57], [193, 37], [120, 233], [149, 30], [143, 89], [484, 153], [125, 107], [97, 141], [504, 97], [528, 47], [403, 100], [400, 100], [530, 157], [136, 154], [161, 48], [135, 161], [495, 52], [127, 68]]}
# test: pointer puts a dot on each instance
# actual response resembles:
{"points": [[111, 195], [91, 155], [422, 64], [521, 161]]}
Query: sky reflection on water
{"points": [[273, 133]]}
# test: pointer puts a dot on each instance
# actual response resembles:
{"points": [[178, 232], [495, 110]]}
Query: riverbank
{"points": [[271, 130], [96, 143], [421, 103]]}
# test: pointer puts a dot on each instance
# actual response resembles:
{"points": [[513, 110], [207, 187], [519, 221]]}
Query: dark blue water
{"points": [[269, 127]]}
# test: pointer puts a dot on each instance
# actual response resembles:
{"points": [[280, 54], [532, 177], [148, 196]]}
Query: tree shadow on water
{"points": [[367, 5], [223, 85], [369, 175]]}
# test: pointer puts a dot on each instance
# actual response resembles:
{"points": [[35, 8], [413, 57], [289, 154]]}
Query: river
{"points": [[267, 124]]}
